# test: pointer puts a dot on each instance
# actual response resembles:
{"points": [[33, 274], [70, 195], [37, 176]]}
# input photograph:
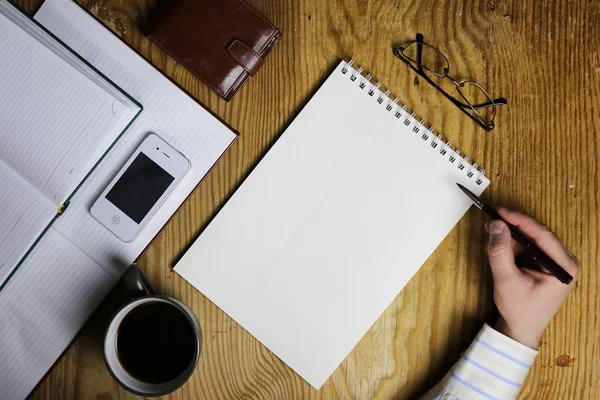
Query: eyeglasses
{"points": [[429, 63]]}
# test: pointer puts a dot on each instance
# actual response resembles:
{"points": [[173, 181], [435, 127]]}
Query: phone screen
{"points": [[139, 188]]}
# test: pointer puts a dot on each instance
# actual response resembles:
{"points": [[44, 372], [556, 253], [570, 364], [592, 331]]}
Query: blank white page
{"points": [[168, 112], [54, 122], [23, 214], [330, 226], [44, 305]]}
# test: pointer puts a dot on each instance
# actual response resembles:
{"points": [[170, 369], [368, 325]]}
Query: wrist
{"points": [[527, 338]]}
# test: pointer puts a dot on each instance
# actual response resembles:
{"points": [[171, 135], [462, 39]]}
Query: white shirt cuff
{"points": [[493, 367]]}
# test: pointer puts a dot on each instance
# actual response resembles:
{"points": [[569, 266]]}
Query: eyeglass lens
{"points": [[435, 64], [475, 95], [431, 58]]}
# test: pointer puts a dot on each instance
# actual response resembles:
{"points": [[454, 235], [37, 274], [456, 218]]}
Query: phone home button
{"points": [[115, 219]]}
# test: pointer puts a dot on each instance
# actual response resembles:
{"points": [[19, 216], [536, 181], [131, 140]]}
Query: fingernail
{"points": [[496, 228]]}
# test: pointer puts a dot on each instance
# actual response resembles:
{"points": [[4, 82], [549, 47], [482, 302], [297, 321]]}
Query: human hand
{"points": [[527, 299]]}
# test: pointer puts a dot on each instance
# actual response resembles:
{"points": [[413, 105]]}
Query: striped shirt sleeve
{"points": [[493, 368]]}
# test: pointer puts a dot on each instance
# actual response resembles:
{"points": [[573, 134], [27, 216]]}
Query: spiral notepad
{"points": [[409, 120], [331, 225]]}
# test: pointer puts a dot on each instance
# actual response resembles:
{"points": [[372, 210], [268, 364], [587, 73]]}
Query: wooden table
{"points": [[542, 158]]}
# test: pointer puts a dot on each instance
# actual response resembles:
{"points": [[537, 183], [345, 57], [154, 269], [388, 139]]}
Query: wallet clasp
{"points": [[245, 56]]}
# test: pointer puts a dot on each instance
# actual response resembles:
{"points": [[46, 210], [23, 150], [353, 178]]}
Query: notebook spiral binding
{"points": [[436, 142]]}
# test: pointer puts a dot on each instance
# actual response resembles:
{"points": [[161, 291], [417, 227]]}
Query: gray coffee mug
{"points": [[142, 294]]}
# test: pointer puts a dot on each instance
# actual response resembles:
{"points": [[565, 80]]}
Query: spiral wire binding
{"points": [[437, 141]]}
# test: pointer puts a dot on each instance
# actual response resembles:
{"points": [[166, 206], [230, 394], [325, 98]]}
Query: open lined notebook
{"points": [[77, 261], [58, 117], [332, 224]]}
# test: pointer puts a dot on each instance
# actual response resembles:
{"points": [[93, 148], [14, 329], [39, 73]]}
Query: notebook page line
{"points": [[27, 36], [48, 342], [36, 118], [37, 35], [22, 324], [23, 215], [19, 322], [45, 308]]}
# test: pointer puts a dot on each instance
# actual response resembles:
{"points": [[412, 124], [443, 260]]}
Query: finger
{"points": [[517, 248], [530, 226], [544, 238], [500, 251]]}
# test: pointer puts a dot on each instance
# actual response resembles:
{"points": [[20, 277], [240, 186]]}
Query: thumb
{"points": [[500, 251]]}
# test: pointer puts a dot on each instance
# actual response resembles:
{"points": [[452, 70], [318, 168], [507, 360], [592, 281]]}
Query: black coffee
{"points": [[156, 342]]}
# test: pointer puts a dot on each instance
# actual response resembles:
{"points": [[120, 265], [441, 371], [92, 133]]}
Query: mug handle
{"points": [[137, 282]]}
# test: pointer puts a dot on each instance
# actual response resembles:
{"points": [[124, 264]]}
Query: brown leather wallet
{"points": [[222, 42]]}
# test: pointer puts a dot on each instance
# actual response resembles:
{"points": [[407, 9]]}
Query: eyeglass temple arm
{"points": [[496, 102], [419, 51]]}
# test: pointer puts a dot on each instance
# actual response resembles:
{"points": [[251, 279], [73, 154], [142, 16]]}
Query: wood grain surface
{"points": [[542, 158]]}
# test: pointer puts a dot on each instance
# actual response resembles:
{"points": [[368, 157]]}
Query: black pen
{"points": [[528, 245]]}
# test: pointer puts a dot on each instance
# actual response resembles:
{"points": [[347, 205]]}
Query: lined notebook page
{"points": [[43, 307], [53, 120], [63, 294], [168, 112], [330, 226], [23, 215]]}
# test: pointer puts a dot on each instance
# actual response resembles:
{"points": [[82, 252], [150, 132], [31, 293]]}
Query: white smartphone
{"points": [[140, 187]]}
